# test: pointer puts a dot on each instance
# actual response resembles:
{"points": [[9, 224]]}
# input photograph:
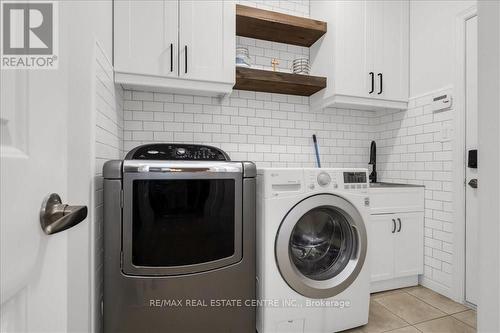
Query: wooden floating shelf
{"points": [[278, 82], [277, 27]]}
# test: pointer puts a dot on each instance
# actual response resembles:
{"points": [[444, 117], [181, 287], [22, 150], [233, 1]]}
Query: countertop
{"points": [[392, 185]]}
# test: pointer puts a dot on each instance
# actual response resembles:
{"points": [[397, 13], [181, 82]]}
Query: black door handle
{"points": [[185, 58], [399, 220], [473, 183], [372, 75], [381, 83], [393, 225], [171, 57]]}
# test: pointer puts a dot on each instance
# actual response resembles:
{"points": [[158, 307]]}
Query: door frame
{"points": [[458, 283]]}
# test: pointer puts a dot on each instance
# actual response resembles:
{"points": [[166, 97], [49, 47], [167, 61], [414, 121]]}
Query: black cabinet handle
{"points": [[185, 58], [393, 225], [381, 83], [372, 75], [171, 57], [399, 220]]}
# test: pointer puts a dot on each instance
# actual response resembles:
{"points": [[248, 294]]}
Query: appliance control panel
{"points": [[336, 179], [278, 182], [171, 151]]}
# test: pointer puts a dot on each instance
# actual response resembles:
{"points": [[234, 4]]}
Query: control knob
{"points": [[180, 151], [324, 179]]}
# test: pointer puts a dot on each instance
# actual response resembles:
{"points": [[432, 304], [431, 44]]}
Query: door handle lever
{"points": [[56, 216], [473, 183]]}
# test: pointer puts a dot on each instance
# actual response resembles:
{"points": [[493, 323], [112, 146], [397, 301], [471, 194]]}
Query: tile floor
{"points": [[415, 310]]}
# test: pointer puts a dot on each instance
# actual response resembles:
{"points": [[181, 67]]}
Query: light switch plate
{"points": [[446, 133]]}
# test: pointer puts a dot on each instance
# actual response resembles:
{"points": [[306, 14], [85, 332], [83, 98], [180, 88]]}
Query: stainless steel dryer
{"points": [[179, 241]]}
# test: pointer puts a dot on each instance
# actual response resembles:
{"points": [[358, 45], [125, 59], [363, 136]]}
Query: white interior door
{"points": [[471, 198], [33, 157]]}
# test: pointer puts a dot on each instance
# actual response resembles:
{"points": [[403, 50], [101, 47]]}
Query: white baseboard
{"points": [[439, 288], [407, 281]]}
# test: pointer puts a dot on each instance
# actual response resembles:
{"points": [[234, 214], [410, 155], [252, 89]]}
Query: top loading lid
{"points": [[177, 152]]}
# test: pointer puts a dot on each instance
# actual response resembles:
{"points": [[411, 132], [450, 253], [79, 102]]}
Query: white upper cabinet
{"points": [[364, 54], [208, 35], [146, 37], [175, 45], [394, 55]]}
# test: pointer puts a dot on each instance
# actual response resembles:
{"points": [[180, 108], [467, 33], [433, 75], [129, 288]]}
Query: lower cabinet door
{"points": [[381, 246], [409, 244]]}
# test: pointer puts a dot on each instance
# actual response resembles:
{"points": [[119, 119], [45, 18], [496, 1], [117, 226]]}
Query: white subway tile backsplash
{"points": [[424, 160], [274, 130], [109, 143]]}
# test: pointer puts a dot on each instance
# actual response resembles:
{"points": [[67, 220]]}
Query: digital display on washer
{"points": [[354, 177]]}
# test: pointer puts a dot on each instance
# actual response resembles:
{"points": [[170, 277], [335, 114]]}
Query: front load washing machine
{"points": [[312, 276]]}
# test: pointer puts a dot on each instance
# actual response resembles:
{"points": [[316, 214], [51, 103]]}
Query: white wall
{"points": [[269, 129], [489, 166], [108, 135], [411, 146], [292, 7], [87, 23], [432, 43], [411, 150]]}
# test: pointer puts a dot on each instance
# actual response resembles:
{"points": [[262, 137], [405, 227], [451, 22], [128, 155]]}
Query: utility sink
{"points": [[389, 185]]}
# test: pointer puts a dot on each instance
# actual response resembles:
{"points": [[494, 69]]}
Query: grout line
{"points": [[427, 302], [393, 312], [416, 328], [462, 320], [420, 322]]}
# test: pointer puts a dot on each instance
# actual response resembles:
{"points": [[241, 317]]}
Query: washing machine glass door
{"points": [[181, 222], [321, 246]]}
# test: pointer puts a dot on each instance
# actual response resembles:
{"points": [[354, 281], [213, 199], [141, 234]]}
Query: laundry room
{"points": [[250, 166]]}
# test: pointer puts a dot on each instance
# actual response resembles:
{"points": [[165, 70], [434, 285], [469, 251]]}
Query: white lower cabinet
{"points": [[396, 245], [409, 245], [396, 240], [381, 247]]}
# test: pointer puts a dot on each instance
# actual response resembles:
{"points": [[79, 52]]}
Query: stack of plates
{"points": [[301, 66]]}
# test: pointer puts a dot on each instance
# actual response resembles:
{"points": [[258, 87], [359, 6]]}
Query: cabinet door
{"points": [[145, 37], [374, 45], [207, 40], [409, 245], [350, 59], [381, 246], [393, 55]]}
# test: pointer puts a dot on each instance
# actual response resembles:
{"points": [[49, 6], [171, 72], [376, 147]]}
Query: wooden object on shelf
{"points": [[277, 27], [278, 82]]}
